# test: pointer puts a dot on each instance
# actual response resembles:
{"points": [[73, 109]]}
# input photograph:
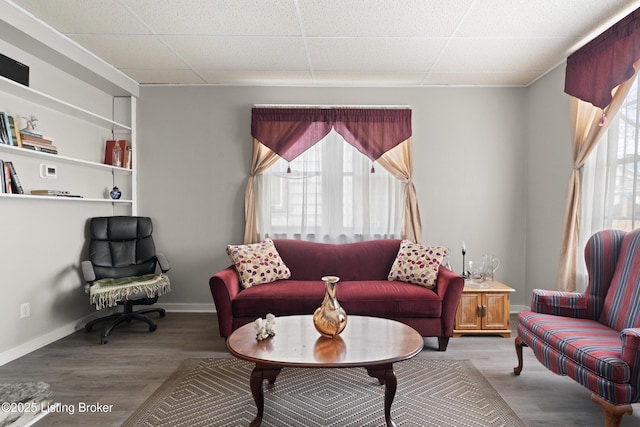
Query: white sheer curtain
{"points": [[611, 179], [330, 195]]}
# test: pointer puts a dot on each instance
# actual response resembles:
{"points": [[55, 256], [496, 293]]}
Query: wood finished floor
{"points": [[127, 370]]}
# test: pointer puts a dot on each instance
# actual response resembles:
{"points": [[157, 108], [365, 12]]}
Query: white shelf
{"points": [[39, 154], [64, 199], [29, 94]]}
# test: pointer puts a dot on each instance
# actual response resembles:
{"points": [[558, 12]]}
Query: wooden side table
{"points": [[483, 310]]}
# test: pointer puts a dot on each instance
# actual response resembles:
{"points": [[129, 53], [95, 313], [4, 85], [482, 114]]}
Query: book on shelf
{"points": [[124, 153], [42, 150], [54, 193], [50, 192], [4, 131], [7, 129], [36, 146], [15, 132], [16, 186], [31, 132], [38, 139], [3, 183], [6, 177]]}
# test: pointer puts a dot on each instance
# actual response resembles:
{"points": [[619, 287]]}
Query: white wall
{"points": [[194, 155], [548, 166]]}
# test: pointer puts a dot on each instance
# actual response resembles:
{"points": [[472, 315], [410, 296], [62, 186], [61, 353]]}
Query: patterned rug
{"points": [[23, 404], [215, 392]]}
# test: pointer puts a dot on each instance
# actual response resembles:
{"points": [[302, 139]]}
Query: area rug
{"points": [[23, 404], [215, 392]]}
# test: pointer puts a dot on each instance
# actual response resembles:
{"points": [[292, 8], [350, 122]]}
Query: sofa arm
{"points": [[567, 304], [449, 286], [224, 287], [631, 353]]}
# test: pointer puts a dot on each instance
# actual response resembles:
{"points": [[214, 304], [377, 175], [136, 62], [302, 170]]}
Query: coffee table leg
{"points": [[258, 375], [386, 376]]}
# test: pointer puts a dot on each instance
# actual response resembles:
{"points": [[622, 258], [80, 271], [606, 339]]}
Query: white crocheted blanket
{"points": [[107, 292]]}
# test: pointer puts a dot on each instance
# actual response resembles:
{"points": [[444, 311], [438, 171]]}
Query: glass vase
{"points": [[330, 319]]}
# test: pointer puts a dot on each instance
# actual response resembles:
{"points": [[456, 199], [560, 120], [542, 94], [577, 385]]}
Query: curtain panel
{"points": [[604, 63], [288, 132], [586, 131]]}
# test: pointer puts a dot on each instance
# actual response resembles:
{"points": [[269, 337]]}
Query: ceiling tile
{"points": [[367, 18], [540, 18], [499, 55], [339, 78], [474, 78], [85, 17], [240, 53], [131, 51], [164, 76], [373, 54], [218, 17], [257, 77]]}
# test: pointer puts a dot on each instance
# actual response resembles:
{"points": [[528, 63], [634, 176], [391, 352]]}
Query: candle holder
{"points": [[464, 252]]}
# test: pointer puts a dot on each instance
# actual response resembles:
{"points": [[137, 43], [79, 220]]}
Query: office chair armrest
{"points": [[163, 262], [87, 271]]}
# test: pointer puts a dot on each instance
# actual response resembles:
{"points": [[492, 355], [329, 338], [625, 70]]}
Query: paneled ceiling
{"points": [[332, 42]]}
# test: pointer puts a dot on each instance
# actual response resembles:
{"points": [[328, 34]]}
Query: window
{"points": [[612, 173], [623, 191], [329, 195], [611, 178]]}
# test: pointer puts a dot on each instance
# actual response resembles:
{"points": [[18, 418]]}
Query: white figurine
{"points": [[31, 123], [265, 327]]}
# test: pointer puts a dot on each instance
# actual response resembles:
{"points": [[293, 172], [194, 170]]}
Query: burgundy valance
{"points": [[605, 62], [291, 131]]}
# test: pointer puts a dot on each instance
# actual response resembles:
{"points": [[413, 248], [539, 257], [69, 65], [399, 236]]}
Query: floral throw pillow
{"points": [[417, 264], [258, 263]]}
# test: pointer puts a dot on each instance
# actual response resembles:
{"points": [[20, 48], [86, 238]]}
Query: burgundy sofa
{"points": [[363, 289]]}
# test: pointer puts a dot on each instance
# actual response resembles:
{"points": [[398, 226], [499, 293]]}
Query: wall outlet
{"points": [[25, 310]]}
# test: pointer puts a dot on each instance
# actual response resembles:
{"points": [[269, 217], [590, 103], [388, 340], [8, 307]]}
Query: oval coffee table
{"points": [[369, 342]]}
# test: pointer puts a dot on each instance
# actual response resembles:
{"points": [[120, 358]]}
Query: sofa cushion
{"points": [[284, 297], [588, 343], [308, 260], [417, 264], [384, 298], [381, 298], [258, 263], [370, 260]]}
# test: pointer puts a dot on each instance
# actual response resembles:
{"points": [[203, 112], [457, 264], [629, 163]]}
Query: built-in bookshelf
{"points": [[81, 102], [116, 175]]}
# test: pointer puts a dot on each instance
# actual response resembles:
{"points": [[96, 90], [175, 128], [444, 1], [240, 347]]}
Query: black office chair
{"points": [[121, 270]]}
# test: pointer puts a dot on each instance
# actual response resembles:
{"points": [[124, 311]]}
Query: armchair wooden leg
{"points": [[612, 413], [519, 344]]}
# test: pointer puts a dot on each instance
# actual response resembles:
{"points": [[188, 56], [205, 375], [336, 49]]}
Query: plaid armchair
{"points": [[593, 337]]}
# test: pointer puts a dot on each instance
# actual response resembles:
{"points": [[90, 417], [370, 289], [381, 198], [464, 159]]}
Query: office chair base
{"points": [[127, 316]]}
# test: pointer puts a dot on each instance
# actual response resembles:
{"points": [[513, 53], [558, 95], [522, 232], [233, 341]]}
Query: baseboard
{"points": [[41, 341], [515, 309], [188, 308], [71, 327]]}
